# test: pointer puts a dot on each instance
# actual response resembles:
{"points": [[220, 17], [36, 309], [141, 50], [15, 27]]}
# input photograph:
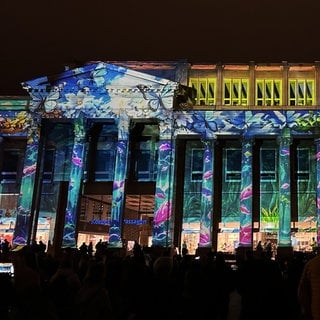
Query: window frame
{"points": [[105, 149], [196, 175], [303, 175], [14, 174], [262, 85], [265, 175], [48, 175], [301, 92], [149, 147], [231, 175], [236, 91], [206, 89]]}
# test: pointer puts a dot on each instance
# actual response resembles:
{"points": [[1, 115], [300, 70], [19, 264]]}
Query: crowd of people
{"points": [[5, 247], [157, 283]]}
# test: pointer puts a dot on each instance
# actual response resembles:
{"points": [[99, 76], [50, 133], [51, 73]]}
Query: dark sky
{"points": [[39, 38]]}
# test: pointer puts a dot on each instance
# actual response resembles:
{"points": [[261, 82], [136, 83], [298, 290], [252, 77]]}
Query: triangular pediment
{"points": [[97, 75], [101, 89]]}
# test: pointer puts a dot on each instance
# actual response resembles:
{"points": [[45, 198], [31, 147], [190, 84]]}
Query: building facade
{"points": [[169, 154]]}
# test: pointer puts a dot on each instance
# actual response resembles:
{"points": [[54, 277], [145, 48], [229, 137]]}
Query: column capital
{"points": [[166, 129], [123, 127], [33, 130], [78, 129], [206, 141], [248, 139], [285, 137]]}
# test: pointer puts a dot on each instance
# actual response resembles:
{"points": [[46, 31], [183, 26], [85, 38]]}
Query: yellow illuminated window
{"points": [[301, 92], [205, 89], [235, 92], [268, 92]]}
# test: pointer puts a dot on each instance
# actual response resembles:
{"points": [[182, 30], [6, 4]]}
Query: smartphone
{"points": [[7, 268]]}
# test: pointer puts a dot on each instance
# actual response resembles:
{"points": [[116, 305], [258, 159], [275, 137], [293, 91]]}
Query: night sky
{"points": [[40, 38]]}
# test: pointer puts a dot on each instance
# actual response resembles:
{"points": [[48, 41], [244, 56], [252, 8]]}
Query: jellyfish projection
{"points": [[206, 197], [284, 191], [118, 194], [245, 238], [23, 220], [162, 223], [69, 236]]}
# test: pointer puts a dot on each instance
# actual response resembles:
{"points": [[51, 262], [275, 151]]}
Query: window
{"points": [[146, 159], [301, 92], [206, 90], [101, 153], [97, 208], [235, 92], [84, 208], [62, 164], [232, 160], [303, 164], [268, 157], [12, 161], [196, 164], [143, 151], [105, 159], [48, 166], [12, 154], [268, 92]]}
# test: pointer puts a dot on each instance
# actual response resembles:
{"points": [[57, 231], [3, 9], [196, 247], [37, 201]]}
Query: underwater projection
{"points": [[192, 193], [21, 122], [118, 194], [69, 237], [246, 195], [106, 92], [207, 196], [103, 91], [307, 185], [23, 219], [284, 194], [162, 233], [274, 205], [318, 191], [269, 189]]}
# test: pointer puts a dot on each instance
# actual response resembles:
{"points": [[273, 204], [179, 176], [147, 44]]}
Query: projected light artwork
{"points": [[217, 177]]}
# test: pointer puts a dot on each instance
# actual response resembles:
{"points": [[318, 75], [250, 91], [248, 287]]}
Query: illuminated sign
{"points": [[126, 221]]}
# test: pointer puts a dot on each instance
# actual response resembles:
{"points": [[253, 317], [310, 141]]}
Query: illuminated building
{"points": [[213, 155]]}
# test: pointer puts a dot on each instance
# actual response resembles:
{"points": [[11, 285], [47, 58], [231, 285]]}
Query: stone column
{"points": [[25, 205], [318, 190], [69, 234], [284, 238], [245, 237], [207, 195], [163, 220], [118, 193]]}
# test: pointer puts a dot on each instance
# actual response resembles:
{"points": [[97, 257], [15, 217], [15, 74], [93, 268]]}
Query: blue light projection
{"points": [[23, 220], [69, 236], [245, 238], [284, 192], [207, 196], [105, 91], [118, 194], [162, 221]]}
